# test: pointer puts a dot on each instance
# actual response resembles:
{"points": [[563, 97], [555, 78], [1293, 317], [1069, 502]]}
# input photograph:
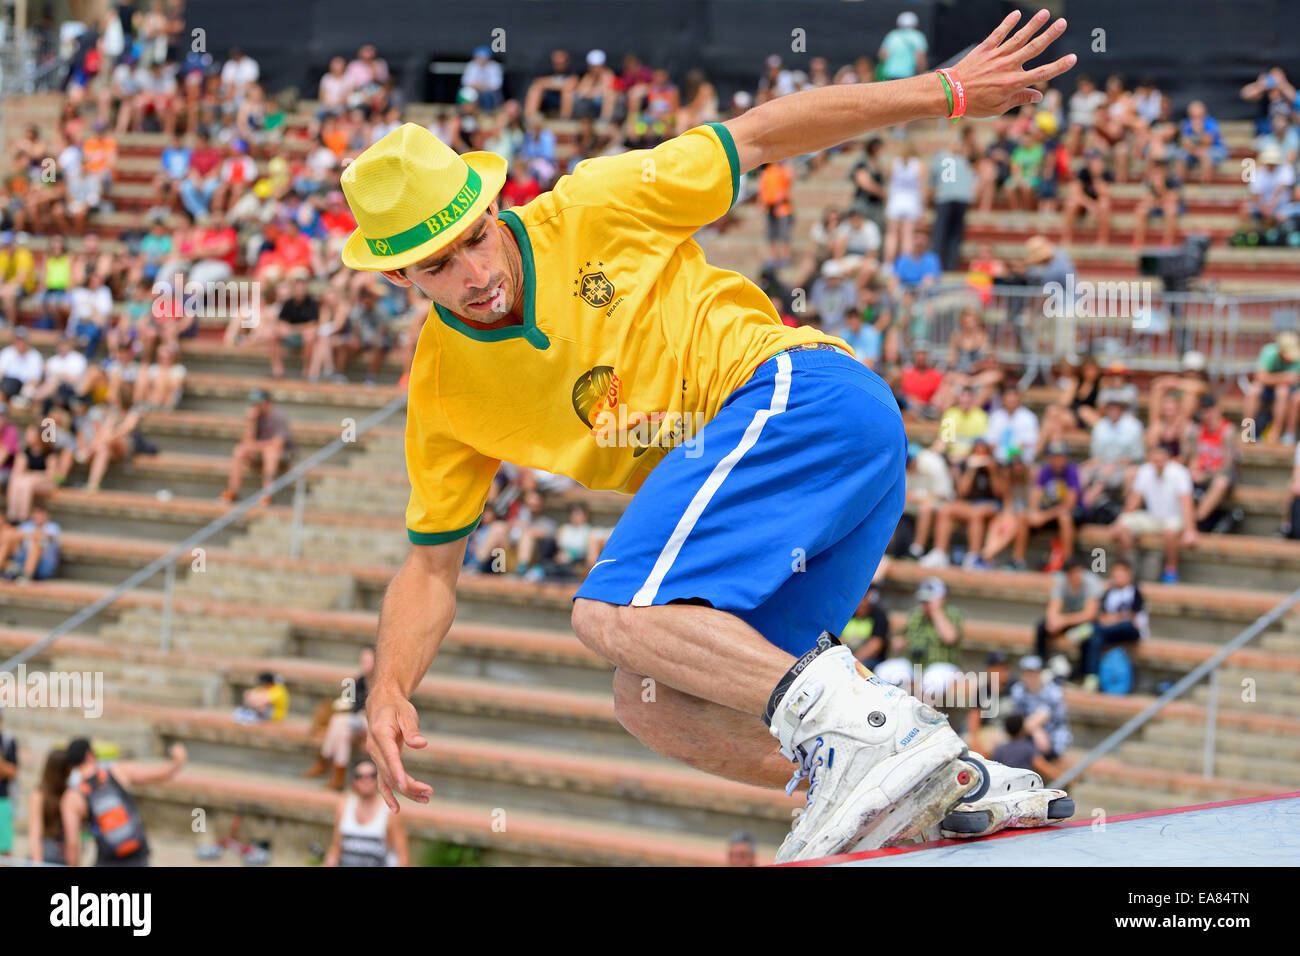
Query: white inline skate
{"points": [[881, 765], [1015, 799]]}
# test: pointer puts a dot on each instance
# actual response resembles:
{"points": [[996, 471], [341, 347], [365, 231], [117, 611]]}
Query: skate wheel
{"points": [[975, 821], [983, 787], [1062, 808]]}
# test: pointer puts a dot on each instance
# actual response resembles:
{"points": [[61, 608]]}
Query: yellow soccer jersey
{"points": [[630, 342]]}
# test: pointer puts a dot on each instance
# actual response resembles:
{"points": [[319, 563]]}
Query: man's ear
{"points": [[396, 278]]}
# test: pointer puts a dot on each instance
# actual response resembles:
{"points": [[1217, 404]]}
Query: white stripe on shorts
{"points": [[780, 395]]}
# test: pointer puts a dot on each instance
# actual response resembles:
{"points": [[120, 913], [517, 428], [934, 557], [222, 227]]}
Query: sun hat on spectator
{"points": [[1288, 344], [1057, 447], [1112, 396], [773, 61], [411, 194], [258, 395], [596, 58], [1194, 361], [833, 269], [1270, 155], [21, 332], [931, 589], [1046, 122], [482, 53], [907, 20], [1031, 662]]}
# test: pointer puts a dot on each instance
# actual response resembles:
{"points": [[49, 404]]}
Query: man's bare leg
{"points": [[699, 733], [698, 650]]}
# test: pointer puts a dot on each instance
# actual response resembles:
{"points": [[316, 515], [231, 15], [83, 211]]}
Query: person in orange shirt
{"points": [[774, 184], [99, 154]]}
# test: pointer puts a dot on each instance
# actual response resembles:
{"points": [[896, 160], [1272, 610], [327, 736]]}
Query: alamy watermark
{"points": [[227, 299], [23, 688]]}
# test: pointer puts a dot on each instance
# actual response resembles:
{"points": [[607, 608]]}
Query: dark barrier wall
{"points": [[1195, 48]]}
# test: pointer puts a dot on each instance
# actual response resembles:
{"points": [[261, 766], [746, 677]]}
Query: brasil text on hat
{"points": [[411, 195]]}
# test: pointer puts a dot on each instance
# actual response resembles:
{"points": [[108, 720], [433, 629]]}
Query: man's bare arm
{"points": [[811, 120], [415, 617]]}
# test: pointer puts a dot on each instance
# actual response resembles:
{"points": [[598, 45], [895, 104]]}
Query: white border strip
{"points": [[780, 395]]}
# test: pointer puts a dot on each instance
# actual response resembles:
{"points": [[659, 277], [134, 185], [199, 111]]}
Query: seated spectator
{"points": [[1041, 702], [867, 632], [333, 89], [595, 94], [294, 323], [17, 274], [971, 362], [1052, 501], [1160, 502], [483, 75], [1270, 190], [381, 840], [521, 187], [1076, 405], [113, 425], [932, 638], [1121, 619], [1273, 386], [832, 298], [34, 549], [1162, 196], [55, 283], [577, 543], [1116, 446], [1026, 170], [919, 383], [982, 490], [699, 102], [985, 269], [553, 93], [1191, 382], [1199, 143], [10, 443], [1020, 751], [1089, 193], [163, 382], [237, 174], [266, 436], [863, 339], [774, 195], [21, 370], [1212, 457], [64, 371], [346, 725], [959, 427], [1072, 606], [1013, 428], [920, 269], [1169, 425], [903, 50], [929, 487], [370, 333], [35, 475], [267, 702]]}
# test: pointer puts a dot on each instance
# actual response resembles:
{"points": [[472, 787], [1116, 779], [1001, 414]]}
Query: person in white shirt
{"points": [[483, 75], [334, 89], [1013, 428], [1270, 189], [64, 371], [1160, 502], [929, 485], [238, 73], [21, 368]]}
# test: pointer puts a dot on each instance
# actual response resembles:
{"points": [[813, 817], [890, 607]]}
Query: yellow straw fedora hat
{"points": [[411, 194]]}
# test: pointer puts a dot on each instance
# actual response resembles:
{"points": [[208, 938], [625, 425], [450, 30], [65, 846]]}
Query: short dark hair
{"points": [[1014, 724], [77, 751], [1072, 563]]}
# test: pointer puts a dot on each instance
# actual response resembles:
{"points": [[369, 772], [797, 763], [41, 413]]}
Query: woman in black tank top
{"points": [[33, 475]]}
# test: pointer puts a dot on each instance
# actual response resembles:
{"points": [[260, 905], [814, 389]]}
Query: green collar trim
{"points": [[733, 157], [426, 229], [529, 330]]}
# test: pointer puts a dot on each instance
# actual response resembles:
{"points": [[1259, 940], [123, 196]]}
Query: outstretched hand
{"points": [[993, 73]]}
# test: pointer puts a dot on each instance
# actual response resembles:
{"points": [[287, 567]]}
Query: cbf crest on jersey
{"points": [[593, 285]]}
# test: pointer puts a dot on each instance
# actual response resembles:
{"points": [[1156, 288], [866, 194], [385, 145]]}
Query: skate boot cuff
{"points": [[825, 641]]}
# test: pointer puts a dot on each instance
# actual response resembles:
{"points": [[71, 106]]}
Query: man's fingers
{"points": [[1042, 41], [1048, 71], [1028, 30], [386, 792], [410, 725], [994, 39]]}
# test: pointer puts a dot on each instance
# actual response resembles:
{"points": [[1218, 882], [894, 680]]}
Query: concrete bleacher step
{"points": [[648, 793], [1282, 703], [1097, 801], [1226, 763], [1271, 747], [302, 811]]}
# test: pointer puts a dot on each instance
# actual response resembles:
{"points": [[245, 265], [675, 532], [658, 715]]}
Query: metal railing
{"points": [[1209, 666], [1138, 323], [167, 562]]}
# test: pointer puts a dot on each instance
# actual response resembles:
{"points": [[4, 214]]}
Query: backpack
{"points": [[1116, 672]]}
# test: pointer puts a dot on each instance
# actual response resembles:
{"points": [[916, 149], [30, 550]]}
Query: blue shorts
{"points": [[780, 509]]}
